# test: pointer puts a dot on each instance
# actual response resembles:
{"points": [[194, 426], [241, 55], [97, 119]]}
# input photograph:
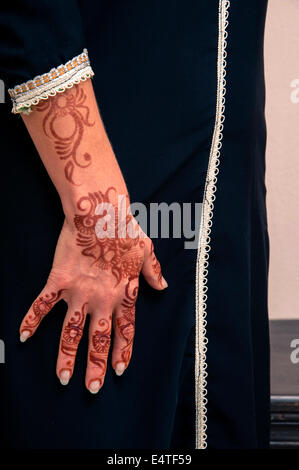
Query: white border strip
{"points": [[204, 239]]}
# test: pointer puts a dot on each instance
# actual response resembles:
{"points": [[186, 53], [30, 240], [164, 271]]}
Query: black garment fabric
{"points": [[37, 36], [155, 67]]}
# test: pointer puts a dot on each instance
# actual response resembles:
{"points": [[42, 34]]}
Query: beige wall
{"points": [[282, 113]]}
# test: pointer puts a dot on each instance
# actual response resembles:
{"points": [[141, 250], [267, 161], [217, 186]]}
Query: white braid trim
{"points": [[204, 239], [58, 80]]}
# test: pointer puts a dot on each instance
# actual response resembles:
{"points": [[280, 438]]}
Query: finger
{"points": [[151, 269], [124, 328], [38, 310], [98, 350], [71, 335]]}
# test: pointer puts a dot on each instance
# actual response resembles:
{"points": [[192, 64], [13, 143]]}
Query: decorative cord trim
{"points": [[49, 84], [204, 239]]}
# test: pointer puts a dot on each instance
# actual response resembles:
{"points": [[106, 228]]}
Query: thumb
{"points": [[151, 268]]}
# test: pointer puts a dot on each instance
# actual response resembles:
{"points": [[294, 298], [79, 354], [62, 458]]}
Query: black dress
{"points": [[180, 86]]}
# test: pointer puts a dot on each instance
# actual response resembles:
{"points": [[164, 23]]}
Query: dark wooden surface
{"points": [[284, 386]]}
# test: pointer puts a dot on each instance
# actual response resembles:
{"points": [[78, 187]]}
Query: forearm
{"points": [[70, 138]]}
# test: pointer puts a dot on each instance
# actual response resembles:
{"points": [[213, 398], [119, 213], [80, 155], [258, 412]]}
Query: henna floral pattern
{"points": [[41, 308], [73, 332], [126, 322], [123, 256], [100, 347], [69, 104]]}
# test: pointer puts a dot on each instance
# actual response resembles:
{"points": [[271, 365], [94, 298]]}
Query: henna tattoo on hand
{"points": [[70, 339], [68, 104], [73, 332], [126, 322], [123, 256], [99, 351], [41, 307]]}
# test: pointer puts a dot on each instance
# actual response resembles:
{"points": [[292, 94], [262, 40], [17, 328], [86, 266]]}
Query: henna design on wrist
{"points": [[99, 351], [41, 307], [67, 104], [123, 256]]}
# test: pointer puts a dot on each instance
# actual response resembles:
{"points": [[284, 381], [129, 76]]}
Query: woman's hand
{"points": [[96, 268], [96, 272]]}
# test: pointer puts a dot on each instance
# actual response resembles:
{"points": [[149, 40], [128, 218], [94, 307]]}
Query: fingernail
{"points": [[120, 368], [65, 377], [164, 283], [94, 386], [24, 335]]}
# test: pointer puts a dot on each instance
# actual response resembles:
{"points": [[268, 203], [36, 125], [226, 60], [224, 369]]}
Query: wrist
{"points": [[93, 200]]}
